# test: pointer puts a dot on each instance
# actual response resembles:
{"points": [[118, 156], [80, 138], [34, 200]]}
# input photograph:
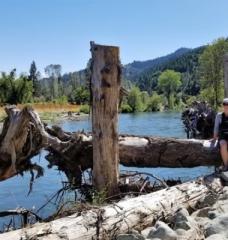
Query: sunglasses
{"points": [[225, 104]]}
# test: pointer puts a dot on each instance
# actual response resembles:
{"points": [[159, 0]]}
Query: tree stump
{"points": [[105, 84]]}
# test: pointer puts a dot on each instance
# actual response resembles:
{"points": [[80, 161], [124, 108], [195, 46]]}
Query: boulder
{"points": [[218, 226], [204, 212], [146, 231], [207, 201], [162, 231]]}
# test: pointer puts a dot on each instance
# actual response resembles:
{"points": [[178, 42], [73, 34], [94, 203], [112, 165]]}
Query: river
{"points": [[14, 191]]}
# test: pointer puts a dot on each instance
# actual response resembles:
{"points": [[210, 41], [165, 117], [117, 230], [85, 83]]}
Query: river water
{"points": [[14, 191]]}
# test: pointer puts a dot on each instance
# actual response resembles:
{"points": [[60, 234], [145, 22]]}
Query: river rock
{"points": [[132, 236], [181, 215], [180, 231], [224, 176], [218, 226], [146, 231], [182, 225], [203, 212], [212, 214], [224, 195], [216, 237], [182, 220], [208, 200], [162, 231]]}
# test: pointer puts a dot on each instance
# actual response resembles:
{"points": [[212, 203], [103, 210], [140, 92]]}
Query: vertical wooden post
{"points": [[226, 74], [105, 84]]}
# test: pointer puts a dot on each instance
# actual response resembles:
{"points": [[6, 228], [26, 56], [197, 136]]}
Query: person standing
{"points": [[221, 133]]}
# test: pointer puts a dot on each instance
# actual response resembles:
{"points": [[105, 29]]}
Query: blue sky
{"points": [[59, 31]]}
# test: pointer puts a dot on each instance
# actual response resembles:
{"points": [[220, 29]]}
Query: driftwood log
{"points": [[24, 135], [107, 222]]}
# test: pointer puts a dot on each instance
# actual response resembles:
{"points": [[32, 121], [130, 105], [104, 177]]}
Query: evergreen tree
{"points": [[34, 78]]}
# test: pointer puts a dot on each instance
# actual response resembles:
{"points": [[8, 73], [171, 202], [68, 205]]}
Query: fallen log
{"points": [[107, 222], [24, 135]]}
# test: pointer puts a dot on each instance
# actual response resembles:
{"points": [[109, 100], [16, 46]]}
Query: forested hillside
{"points": [[187, 64], [132, 71]]}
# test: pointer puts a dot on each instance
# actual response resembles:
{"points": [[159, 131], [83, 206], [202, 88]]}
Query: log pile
{"points": [[24, 135]]}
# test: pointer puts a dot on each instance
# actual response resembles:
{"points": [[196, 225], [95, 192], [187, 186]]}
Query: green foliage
{"points": [[7, 88], [85, 109], [81, 95], [34, 76], [145, 100], [54, 73], [207, 94], [61, 100], [15, 90], [135, 100], [24, 90], [211, 70], [99, 197], [145, 74], [169, 81], [155, 103], [190, 99], [125, 108]]}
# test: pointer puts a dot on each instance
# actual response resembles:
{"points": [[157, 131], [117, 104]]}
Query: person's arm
{"points": [[216, 126]]}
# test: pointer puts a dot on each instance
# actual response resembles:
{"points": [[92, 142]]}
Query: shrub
{"points": [[125, 108], [155, 103], [61, 100], [85, 109], [135, 100]]}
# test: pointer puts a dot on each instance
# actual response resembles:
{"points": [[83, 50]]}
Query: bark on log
{"points": [[106, 222], [167, 152], [144, 151], [105, 85]]}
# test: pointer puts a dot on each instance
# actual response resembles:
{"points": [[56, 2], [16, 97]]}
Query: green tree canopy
{"points": [[81, 95], [211, 70], [135, 100], [168, 82]]}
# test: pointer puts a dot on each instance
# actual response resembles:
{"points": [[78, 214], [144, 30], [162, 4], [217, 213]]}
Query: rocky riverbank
{"points": [[190, 211], [209, 222]]}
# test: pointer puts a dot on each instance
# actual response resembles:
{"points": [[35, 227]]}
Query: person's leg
{"points": [[224, 152]]}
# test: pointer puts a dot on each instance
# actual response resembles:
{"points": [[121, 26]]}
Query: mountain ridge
{"points": [[133, 69]]}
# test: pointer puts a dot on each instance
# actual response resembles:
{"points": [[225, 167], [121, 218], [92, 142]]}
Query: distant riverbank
{"points": [[54, 111]]}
